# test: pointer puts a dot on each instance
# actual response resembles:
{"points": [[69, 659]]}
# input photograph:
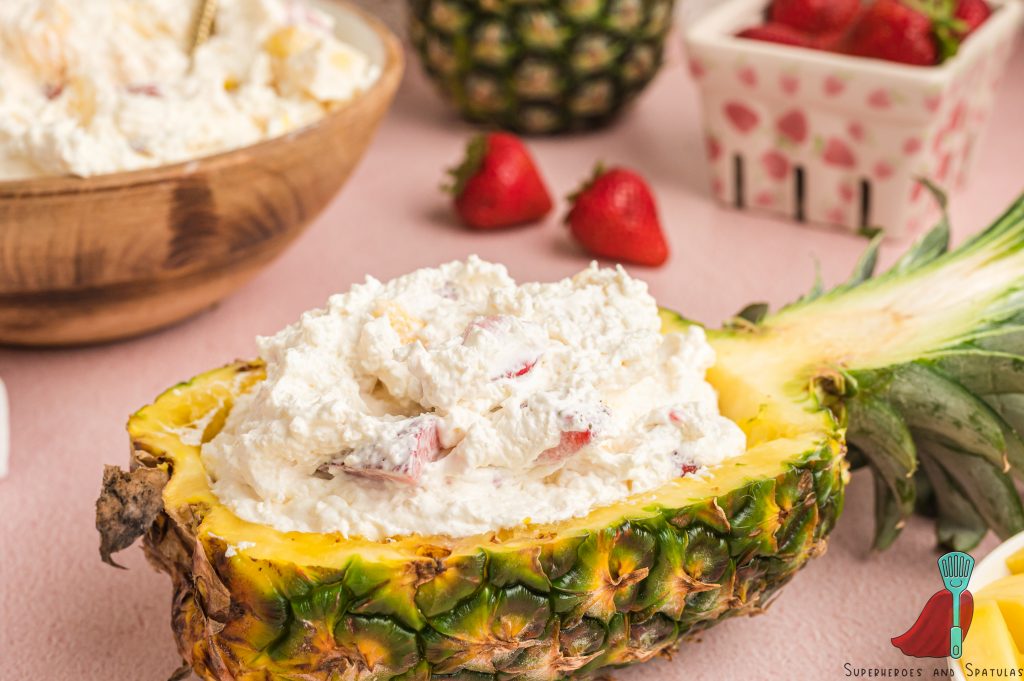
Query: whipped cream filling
{"points": [[452, 401], [99, 86]]}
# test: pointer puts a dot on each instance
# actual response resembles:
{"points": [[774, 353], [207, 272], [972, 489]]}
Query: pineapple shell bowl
{"points": [[544, 67], [94, 259], [917, 373]]}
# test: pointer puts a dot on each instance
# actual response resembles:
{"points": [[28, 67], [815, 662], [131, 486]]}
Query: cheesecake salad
{"points": [[454, 401], [99, 86]]}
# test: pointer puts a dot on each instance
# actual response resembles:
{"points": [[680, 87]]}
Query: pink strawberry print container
{"points": [[839, 140]]}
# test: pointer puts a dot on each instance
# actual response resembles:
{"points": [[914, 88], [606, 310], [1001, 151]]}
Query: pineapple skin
{"points": [[555, 605], [540, 66]]}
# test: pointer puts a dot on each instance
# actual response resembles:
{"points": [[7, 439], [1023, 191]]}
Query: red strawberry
{"points": [[815, 16], [793, 126], [399, 459], [777, 33], [688, 469], [498, 184], [973, 13], [571, 442], [615, 216], [921, 35], [741, 116]]}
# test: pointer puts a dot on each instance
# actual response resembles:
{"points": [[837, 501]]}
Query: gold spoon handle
{"points": [[204, 23]]}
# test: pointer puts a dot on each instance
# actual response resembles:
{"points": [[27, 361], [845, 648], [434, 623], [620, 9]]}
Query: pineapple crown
{"points": [[942, 432]]}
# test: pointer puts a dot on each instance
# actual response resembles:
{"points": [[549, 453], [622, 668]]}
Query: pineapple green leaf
{"points": [[890, 515], [988, 375], [753, 313], [1011, 408], [1008, 340], [984, 373], [933, 404], [959, 527], [990, 491], [879, 432], [865, 267], [933, 243], [817, 289]]}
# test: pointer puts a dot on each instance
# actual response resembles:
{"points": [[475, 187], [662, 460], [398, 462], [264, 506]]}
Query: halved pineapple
{"points": [[925, 363]]}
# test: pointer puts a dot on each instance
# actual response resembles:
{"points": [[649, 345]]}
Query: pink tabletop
{"points": [[64, 616]]}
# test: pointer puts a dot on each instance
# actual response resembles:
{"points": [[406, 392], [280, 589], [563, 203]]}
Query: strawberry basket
{"points": [[834, 139]]}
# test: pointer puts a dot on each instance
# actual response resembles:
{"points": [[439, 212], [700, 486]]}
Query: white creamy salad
{"points": [[98, 86], [454, 401]]}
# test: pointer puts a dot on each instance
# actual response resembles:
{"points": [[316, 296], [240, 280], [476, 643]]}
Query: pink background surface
{"points": [[64, 615]]}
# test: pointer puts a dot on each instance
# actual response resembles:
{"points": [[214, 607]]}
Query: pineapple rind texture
{"points": [[541, 66], [559, 604]]}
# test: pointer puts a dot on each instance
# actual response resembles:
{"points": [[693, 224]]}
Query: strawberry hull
{"points": [[834, 139]]}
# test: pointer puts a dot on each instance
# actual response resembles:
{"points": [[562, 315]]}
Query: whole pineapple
{"points": [[541, 66], [919, 371]]}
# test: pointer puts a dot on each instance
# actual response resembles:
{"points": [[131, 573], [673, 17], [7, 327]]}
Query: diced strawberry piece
{"points": [[147, 89], [571, 442], [400, 460], [580, 427], [520, 358], [53, 90], [522, 370]]}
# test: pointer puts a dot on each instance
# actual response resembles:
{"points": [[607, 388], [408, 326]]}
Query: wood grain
{"points": [[86, 260]]}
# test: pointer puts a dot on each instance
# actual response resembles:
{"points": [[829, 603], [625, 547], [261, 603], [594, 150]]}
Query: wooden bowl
{"points": [[85, 260]]}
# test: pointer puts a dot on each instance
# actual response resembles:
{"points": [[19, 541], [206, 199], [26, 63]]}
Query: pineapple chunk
{"points": [[288, 41], [1008, 594], [988, 644], [1016, 562], [1007, 587], [1013, 613]]}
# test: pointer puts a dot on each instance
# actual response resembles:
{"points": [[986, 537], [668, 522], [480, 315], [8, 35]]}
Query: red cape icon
{"points": [[929, 637]]}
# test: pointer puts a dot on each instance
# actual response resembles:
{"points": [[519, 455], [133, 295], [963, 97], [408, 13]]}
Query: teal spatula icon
{"points": [[956, 568]]}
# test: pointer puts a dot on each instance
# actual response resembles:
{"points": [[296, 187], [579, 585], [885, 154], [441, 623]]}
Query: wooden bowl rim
{"points": [[49, 186]]}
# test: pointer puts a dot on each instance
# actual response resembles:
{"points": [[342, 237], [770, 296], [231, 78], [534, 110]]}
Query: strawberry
{"points": [[814, 16], [400, 458], [973, 13], [775, 32], [891, 30], [907, 31], [498, 184], [688, 469], [571, 442], [615, 216]]}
